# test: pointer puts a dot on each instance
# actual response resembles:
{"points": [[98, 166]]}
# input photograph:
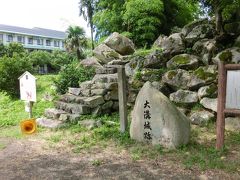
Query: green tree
{"points": [[3, 50], [39, 58], [178, 13], [70, 76], [221, 9], [142, 20], [86, 8], [10, 69], [60, 59], [15, 48], [76, 40], [108, 17]]}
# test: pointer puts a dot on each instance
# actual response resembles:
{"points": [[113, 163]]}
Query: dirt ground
{"points": [[31, 158]]}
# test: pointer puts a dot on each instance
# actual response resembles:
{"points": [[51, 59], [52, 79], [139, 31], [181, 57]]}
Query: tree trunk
{"points": [[91, 26], [78, 54], [219, 20]]}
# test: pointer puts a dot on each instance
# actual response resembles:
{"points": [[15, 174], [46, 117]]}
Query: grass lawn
{"points": [[198, 155], [12, 110]]}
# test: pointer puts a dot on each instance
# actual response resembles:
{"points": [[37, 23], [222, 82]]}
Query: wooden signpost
{"points": [[122, 95], [28, 90], [122, 98], [228, 97]]}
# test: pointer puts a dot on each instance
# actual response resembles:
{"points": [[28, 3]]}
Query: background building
{"points": [[33, 39]]}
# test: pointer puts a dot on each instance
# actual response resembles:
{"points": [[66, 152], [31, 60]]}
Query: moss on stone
{"points": [[171, 74], [197, 107], [179, 60], [145, 52], [202, 74], [226, 56], [212, 89], [232, 27], [154, 74], [137, 84]]}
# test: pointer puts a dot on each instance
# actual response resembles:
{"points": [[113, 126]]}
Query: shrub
{"points": [[15, 48], [10, 69], [60, 59], [3, 50], [12, 49], [71, 75]]}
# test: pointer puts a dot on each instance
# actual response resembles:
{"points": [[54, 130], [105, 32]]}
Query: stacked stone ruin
{"points": [[183, 66], [98, 96]]}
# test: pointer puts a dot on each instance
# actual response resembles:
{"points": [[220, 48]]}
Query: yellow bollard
{"points": [[28, 126]]}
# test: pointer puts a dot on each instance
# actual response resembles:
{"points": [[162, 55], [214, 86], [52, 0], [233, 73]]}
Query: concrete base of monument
{"points": [[157, 120]]}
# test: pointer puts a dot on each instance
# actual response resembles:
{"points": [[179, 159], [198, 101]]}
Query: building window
{"points": [[56, 43], [62, 44], [30, 40], [9, 38], [21, 39], [48, 42], [39, 41]]}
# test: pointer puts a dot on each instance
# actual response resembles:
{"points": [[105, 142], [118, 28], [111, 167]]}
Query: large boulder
{"points": [[232, 28], [105, 78], [148, 74], [120, 44], [156, 59], [206, 48], [91, 62], [134, 65], [201, 117], [200, 32], [105, 54], [208, 74], [183, 61], [156, 120], [189, 27], [231, 55], [171, 45], [208, 91], [184, 97], [163, 88], [182, 79], [209, 103]]}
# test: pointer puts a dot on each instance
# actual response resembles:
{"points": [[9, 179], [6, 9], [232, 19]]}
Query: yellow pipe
{"points": [[28, 126]]}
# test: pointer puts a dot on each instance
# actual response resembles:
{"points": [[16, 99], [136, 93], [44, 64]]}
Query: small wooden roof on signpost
{"points": [[27, 73]]}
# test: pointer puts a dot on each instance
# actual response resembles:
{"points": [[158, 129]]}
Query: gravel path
{"points": [[30, 159]]}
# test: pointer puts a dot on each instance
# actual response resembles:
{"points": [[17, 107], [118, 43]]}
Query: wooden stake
{"points": [[222, 75], [122, 97]]}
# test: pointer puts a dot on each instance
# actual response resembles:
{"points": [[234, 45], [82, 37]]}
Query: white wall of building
{"points": [[34, 45]]}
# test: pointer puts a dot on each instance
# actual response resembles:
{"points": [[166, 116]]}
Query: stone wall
{"points": [[183, 66]]}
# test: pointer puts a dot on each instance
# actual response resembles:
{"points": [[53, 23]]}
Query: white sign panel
{"points": [[27, 87], [233, 90]]}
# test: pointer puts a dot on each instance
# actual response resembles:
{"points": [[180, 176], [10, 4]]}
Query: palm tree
{"points": [[76, 40], [86, 8]]}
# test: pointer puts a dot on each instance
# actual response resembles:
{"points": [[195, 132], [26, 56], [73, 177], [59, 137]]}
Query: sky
{"points": [[50, 14]]}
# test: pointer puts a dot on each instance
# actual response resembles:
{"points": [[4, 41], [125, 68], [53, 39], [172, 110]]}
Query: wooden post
{"points": [[122, 98], [30, 109], [222, 74]]}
